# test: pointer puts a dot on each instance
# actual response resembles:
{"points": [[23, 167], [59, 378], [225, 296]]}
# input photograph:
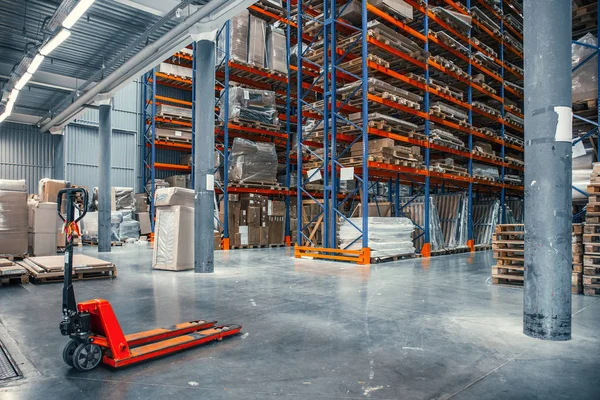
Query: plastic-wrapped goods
{"points": [[13, 222], [276, 52], [176, 111], [14, 185], [388, 236], [89, 226], [252, 161], [174, 197], [129, 229], [257, 42], [397, 7], [158, 184], [252, 105], [124, 198], [238, 39], [585, 79]]}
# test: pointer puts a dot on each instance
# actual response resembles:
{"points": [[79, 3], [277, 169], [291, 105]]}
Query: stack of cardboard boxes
{"points": [[254, 220], [13, 217], [48, 191], [43, 227]]}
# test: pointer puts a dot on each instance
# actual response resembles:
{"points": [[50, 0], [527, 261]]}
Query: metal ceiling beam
{"points": [[146, 58], [157, 7]]}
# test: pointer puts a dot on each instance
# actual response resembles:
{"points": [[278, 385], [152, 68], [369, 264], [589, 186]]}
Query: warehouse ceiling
{"points": [[110, 33]]}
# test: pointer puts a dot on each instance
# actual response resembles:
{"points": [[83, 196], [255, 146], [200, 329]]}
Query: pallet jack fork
{"points": [[93, 326]]}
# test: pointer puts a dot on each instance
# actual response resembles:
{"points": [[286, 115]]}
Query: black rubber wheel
{"points": [[68, 352], [87, 356]]}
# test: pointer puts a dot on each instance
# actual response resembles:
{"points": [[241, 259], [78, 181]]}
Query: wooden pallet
{"points": [[258, 185], [14, 257], [591, 260], [454, 250], [18, 279], [375, 260], [255, 124], [12, 273], [591, 270], [78, 275], [49, 269]]}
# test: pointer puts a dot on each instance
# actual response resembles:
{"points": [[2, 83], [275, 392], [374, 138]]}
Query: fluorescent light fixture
{"points": [[3, 117], [9, 107], [37, 60], [23, 81], [77, 12], [55, 42], [14, 94]]}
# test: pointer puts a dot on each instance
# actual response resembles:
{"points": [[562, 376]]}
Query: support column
{"points": [[548, 133], [58, 163], [104, 188], [204, 144]]}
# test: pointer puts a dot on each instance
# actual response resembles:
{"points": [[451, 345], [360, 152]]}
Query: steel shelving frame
{"points": [[334, 111]]}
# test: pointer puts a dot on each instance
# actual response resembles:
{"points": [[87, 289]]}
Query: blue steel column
{"points": [[548, 164], [299, 123], [288, 114], [225, 203], [364, 199], [470, 238], [502, 127], [205, 159], [333, 145], [426, 250], [104, 187], [328, 97]]}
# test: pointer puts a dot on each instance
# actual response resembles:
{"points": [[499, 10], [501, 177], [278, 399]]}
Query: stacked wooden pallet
{"points": [[577, 277], [51, 268], [12, 273], [591, 237], [508, 244]]}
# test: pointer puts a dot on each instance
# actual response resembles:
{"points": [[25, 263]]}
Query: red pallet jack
{"points": [[93, 326]]}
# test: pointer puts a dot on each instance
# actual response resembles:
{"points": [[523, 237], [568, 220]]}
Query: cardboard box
{"points": [[374, 145], [174, 240], [243, 232], [254, 235], [244, 217], [174, 197], [254, 214], [48, 189], [144, 219], [217, 240], [264, 235], [43, 218], [276, 227], [13, 222], [177, 181], [379, 209], [42, 244], [235, 239], [276, 208], [257, 42]]}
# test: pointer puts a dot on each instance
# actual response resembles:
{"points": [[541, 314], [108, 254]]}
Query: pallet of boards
{"points": [[591, 237], [12, 273], [508, 244], [51, 269]]}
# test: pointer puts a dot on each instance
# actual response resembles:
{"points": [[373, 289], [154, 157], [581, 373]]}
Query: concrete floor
{"points": [[415, 329]]}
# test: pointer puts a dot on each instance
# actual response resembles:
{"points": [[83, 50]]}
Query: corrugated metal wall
{"points": [[25, 153], [82, 143]]}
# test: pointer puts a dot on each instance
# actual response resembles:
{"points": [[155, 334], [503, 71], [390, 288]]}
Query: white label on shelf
{"points": [[177, 133], [564, 126], [246, 95], [314, 175], [210, 182], [347, 174]]}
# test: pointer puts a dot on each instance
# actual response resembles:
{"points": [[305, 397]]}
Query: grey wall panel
{"points": [[25, 154], [127, 99]]}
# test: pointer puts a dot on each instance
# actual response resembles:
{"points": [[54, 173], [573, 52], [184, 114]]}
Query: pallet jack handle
{"points": [[71, 322]]}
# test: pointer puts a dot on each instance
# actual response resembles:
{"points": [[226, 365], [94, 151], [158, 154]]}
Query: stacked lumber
{"points": [[51, 268], [12, 273], [577, 270], [591, 237], [508, 244]]}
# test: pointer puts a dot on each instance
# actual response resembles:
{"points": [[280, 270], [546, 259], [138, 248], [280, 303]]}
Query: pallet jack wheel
{"points": [[87, 356], [68, 352]]}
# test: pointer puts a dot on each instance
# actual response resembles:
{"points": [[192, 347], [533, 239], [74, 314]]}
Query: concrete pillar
{"points": [[548, 219], [104, 186], [204, 143]]}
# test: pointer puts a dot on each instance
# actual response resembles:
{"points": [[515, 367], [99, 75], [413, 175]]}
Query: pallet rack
{"points": [[353, 53], [228, 71]]}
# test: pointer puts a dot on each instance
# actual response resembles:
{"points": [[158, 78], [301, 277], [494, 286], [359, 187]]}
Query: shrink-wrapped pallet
{"points": [[252, 162]]}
